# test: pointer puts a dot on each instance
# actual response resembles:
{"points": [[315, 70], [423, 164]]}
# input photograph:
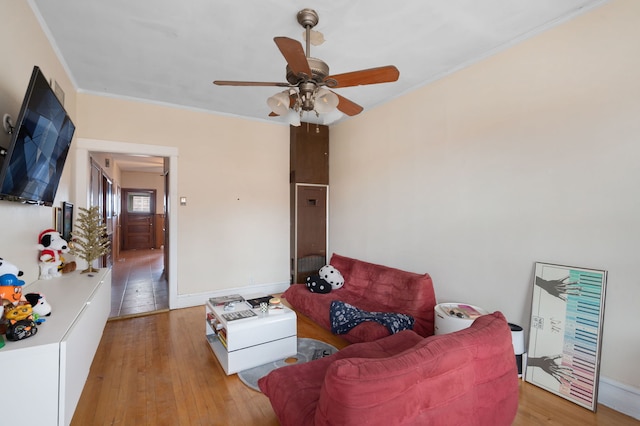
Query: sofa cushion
{"points": [[317, 306], [382, 288], [294, 390], [457, 378]]}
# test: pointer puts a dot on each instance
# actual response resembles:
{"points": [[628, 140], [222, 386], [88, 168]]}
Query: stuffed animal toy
{"points": [[9, 268], [18, 313], [316, 284], [332, 276], [51, 246], [40, 306], [11, 289]]}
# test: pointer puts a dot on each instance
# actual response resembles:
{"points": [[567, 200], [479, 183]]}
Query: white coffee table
{"points": [[244, 343]]}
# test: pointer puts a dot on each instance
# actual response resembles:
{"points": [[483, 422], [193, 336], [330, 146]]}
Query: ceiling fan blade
{"points": [[377, 75], [347, 106], [248, 83], [294, 54]]}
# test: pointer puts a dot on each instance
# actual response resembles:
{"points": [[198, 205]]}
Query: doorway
{"points": [[81, 186], [310, 230], [139, 282]]}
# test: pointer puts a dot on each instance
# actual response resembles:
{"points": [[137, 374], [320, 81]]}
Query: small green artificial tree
{"points": [[90, 236]]}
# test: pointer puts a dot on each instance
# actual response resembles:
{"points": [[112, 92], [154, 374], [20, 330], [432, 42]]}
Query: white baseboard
{"points": [[197, 299], [620, 397]]}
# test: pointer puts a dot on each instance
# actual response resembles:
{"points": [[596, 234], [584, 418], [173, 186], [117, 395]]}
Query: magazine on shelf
{"points": [[222, 336], [221, 300], [255, 302], [232, 316]]}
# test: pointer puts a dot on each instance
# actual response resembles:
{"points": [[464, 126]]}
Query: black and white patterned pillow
{"points": [[316, 284], [332, 276]]}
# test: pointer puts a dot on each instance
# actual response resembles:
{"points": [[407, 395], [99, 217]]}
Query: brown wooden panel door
{"points": [[138, 218], [311, 228], [309, 154]]}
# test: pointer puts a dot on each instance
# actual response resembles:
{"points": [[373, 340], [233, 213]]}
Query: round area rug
{"points": [[308, 350]]}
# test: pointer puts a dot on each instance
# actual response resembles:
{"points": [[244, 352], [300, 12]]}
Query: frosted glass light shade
{"points": [[326, 101], [279, 103]]}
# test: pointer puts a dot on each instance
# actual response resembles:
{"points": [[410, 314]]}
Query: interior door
{"points": [[311, 230], [165, 209], [138, 214], [107, 217]]}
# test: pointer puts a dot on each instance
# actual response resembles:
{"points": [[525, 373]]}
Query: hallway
{"points": [[138, 284]]}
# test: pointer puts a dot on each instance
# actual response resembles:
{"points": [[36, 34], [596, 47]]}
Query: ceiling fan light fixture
{"points": [[279, 103], [325, 101], [309, 80]]}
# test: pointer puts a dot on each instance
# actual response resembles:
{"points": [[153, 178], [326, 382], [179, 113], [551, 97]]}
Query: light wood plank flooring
{"points": [[159, 370]]}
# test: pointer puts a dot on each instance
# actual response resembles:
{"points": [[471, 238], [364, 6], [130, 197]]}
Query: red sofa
{"points": [[464, 378], [373, 288]]}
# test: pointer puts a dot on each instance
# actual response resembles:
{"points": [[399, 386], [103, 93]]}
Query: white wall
{"points": [[530, 155], [25, 45], [234, 230]]}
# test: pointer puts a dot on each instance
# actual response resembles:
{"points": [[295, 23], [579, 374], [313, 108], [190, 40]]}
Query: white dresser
{"points": [[48, 370]]}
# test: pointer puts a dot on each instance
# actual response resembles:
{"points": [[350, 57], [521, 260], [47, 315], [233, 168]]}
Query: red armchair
{"points": [[464, 378]]}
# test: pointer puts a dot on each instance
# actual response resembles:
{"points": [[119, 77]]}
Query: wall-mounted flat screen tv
{"points": [[40, 141]]}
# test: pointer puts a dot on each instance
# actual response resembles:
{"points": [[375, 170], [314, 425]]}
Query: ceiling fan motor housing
{"points": [[319, 71]]}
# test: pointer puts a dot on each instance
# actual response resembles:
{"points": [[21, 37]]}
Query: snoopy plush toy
{"points": [[51, 246]]}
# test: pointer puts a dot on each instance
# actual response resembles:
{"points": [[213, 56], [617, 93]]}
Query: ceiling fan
{"points": [[308, 79]]}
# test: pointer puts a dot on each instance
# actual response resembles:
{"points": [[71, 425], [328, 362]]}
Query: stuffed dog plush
{"points": [[39, 304], [51, 246]]}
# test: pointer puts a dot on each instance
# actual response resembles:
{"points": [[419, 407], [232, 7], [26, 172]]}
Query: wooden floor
{"points": [[138, 283], [159, 370]]}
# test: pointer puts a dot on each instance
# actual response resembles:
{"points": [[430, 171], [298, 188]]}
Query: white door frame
{"points": [[80, 189]]}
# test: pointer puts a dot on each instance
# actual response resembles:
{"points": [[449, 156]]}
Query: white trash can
{"points": [[452, 317]]}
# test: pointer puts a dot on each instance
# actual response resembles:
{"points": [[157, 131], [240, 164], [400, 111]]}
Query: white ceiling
{"points": [[169, 52], [138, 163]]}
